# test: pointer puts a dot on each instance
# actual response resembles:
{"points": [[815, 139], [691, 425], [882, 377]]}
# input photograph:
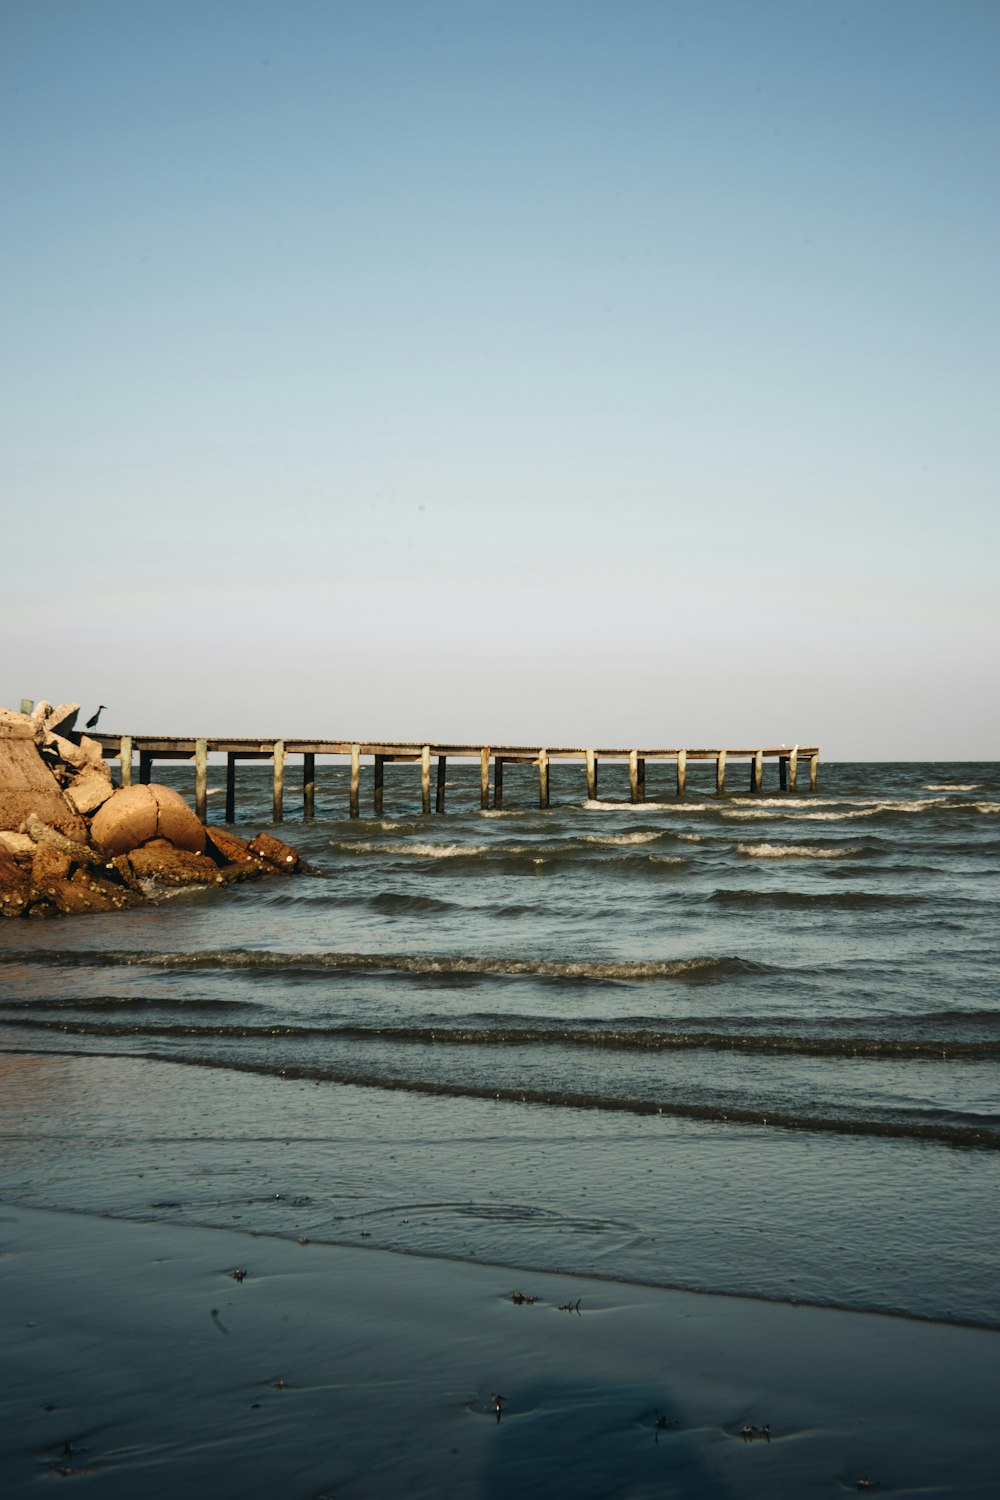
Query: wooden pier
{"points": [[150, 748]]}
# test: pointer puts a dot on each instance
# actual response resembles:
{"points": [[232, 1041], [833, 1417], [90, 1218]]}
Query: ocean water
{"points": [[743, 1044]]}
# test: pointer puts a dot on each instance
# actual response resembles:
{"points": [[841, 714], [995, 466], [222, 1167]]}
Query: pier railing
{"points": [[149, 748]]}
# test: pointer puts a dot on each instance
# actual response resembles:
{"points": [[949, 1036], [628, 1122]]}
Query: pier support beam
{"points": [[543, 778], [309, 784], [201, 779], [377, 799], [633, 775], [783, 772], [591, 776], [484, 778], [145, 767], [720, 773], [278, 799], [757, 772], [425, 779], [793, 768], [813, 772], [230, 787], [442, 772], [682, 773], [355, 781], [125, 757], [498, 782]]}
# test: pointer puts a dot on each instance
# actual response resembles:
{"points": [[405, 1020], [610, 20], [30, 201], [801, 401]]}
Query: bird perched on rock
{"points": [[92, 721]]}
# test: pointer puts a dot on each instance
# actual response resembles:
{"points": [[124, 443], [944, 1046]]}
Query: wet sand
{"points": [[134, 1363]]}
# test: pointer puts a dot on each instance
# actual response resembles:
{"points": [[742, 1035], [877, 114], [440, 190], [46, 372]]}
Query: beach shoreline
{"points": [[134, 1358]]}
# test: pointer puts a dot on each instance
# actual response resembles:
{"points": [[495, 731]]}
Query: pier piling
{"points": [[425, 779], [442, 772], [484, 778], [591, 775], [309, 784], [279, 781], [377, 799], [201, 779], [757, 772], [354, 806]]}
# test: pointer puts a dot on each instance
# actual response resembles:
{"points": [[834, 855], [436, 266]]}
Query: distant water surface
{"points": [[748, 1044]]}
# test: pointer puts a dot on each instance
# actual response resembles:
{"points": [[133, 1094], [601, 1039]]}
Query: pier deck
{"points": [[150, 748]]}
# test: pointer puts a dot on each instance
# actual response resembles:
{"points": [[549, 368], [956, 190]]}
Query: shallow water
{"points": [[739, 1044]]}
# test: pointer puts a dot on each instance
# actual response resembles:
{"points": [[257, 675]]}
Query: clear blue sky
{"points": [[549, 371]]}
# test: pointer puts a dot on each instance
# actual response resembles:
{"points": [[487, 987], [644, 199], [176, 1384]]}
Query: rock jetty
{"points": [[70, 841]]}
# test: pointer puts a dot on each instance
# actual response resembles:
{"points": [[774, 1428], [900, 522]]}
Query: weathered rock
{"points": [[112, 896], [40, 712], [89, 790], [160, 860], [122, 866], [94, 751], [15, 726], [135, 814], [67, 751], [16, 843], [62, 720], [15, 886], [49, 866], [280, 855], [126, 820], [77, 896], [41, 833], [175, 820], [227, 848], [28, 786]]}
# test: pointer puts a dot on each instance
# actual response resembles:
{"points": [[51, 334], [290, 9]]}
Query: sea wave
{"points": [[962, 1130], [413, 851], [845, 900], [700, 969], [854, 1045], [641, 836], [794, 851]]}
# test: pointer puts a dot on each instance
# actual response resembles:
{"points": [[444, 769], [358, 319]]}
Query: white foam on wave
{"points": [[418, 851], [873, 809], [641, 836], [952, 786], [792, 851], [987, 807], [789, 799], [645, 807]]}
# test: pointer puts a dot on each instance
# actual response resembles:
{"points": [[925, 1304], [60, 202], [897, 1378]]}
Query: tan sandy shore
{"points": [[133, 1364]]}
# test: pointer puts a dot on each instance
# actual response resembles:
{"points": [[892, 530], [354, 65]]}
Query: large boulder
{"points": [[265, 846], [126, 820], [15, 726], [162, 861], [175, 821], [28, 786], [88, 791], [228, 848], [135, 814]]}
